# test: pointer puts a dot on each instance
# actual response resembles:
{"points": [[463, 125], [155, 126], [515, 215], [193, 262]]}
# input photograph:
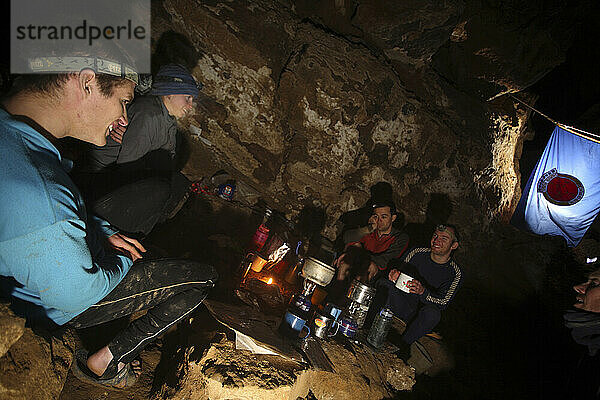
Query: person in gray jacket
{"points": [[152, 123], [133, 181]]}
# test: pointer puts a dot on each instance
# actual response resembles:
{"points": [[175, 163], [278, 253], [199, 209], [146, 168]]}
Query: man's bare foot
{"points": [[98, 362]]}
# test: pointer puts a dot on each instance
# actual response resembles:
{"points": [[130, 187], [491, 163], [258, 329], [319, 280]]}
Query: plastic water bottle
{"points": [[380, 328]]}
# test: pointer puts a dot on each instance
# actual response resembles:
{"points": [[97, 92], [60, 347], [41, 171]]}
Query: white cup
{"points": [[402, 282]]}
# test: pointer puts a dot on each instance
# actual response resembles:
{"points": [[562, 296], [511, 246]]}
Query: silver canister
{"points": [[361, 296]]}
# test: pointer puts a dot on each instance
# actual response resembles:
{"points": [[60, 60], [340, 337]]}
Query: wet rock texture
{"points": [[226, 373], [314, 104], [11, 328], [35, 364], [360, 373]]}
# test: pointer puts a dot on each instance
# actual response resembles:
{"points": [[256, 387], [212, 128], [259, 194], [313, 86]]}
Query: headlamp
{"points": [[79, 63]]}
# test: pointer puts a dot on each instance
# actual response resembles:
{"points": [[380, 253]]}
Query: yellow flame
{"points": [[269, 281]]}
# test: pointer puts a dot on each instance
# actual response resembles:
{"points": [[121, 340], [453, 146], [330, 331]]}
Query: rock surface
{"points": [[226, 373], [359, 374], [11, 328], [311, 105], [36, 365], [314, 105]]}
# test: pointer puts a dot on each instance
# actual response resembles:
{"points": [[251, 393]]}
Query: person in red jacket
{"points": [[384, 243]]}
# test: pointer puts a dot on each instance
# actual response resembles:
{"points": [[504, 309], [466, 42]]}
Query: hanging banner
{"points": [[562, 196]]}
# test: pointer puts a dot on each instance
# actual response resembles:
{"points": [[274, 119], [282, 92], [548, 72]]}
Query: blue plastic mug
{"points": [[296, 323]]}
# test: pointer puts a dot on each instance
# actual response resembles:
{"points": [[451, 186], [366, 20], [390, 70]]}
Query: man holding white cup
{"points": [[426, 285]]}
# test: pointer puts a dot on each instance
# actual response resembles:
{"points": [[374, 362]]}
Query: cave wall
{"points": [[312, 104]]}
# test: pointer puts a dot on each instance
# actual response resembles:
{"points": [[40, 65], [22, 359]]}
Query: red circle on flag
{"points": [[562, 189]]}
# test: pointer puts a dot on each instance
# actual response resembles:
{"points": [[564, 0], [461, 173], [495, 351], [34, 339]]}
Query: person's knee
{"points": [[402, 305], [176, 270], [201, 272], [431, 314]]}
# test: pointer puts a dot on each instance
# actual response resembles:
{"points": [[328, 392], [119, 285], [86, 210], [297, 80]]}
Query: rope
{"points": [[575, 131]]}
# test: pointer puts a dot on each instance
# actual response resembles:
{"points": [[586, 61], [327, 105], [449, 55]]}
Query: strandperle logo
{"points": [[61, 32], [84, 31]]}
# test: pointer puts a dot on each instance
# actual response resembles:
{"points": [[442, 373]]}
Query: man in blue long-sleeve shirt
{"points": [[55, 259]]}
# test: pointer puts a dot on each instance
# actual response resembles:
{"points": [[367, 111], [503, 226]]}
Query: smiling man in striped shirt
{"points": [[436, 279]]}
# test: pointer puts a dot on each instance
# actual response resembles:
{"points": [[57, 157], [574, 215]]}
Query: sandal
{"points": [[110, 379]]}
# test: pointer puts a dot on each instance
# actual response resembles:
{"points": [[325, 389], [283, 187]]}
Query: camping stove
{"points": [[315, 273]]}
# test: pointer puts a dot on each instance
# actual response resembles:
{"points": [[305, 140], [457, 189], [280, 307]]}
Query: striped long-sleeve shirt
{"points": [[441, 281]]}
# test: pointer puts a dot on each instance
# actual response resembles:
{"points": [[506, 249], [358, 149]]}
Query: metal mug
{"points": [[361, 293], [348, 327], [322, 325], [403, 281]]}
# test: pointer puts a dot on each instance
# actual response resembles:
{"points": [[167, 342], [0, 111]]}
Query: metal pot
{"points": [[361, 293], [317, 271]]}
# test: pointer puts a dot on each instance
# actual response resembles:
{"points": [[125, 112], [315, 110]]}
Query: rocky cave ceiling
{"points": [[313, 102]]}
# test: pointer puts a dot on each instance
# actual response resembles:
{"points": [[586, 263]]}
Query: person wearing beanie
{"points": [[136, 170], [152, 125]]}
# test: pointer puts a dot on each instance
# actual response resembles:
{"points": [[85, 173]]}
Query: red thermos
{"points": [[262, 233]]}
